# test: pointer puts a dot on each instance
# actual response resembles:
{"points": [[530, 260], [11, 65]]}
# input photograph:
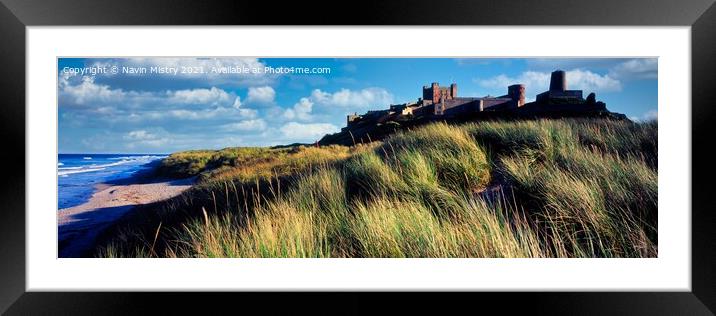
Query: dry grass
{"points": [[576, 188]]}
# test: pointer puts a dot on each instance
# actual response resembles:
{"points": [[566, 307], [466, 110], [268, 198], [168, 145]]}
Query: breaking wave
{"points": [[81, 170]]}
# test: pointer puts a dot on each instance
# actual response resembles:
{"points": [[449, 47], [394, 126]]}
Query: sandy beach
{"points": [[79, 226]]}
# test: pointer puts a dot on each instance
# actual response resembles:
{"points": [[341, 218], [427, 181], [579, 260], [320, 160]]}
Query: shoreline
{"points": [[78, 226]]}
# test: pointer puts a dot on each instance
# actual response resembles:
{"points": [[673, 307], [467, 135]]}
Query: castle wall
{"points": [[567, 94], [460, 106]]}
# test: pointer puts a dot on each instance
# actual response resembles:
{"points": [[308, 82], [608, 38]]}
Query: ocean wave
{"points": [[68, 172], [87, 158], [64, 171], [69, 168], [109, 164], [146, 157], [60, 164]]}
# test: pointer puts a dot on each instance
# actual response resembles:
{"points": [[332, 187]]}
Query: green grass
{"points": [[194, 162], [570, 188]]}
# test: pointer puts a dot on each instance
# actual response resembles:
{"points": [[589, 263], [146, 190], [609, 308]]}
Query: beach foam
{"points": [[81, 170]]}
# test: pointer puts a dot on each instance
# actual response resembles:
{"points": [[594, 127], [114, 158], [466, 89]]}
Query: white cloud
{"points": [[617, 68], [377, 97], [538, 82], [263, 94], [650, 115], [638, 68], [163, 120], [144, 138], [213, 96], [301, 110], [184, 114], [533, 81], [244, 112], [307, 132], [248, 113], [117, 105], [88, 92], [247, 125], [586, 80], [139, 135]]}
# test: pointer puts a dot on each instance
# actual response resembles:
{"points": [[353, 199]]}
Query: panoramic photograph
{"points": [[246, 157]]}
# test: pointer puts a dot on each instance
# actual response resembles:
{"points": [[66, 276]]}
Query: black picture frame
{"points": [[15, 15]]}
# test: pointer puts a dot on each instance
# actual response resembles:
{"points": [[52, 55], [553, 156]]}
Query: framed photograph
{"points": [[555, 157]]}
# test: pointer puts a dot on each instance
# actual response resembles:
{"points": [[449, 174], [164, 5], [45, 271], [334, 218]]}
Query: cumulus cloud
{"points": [[617, 68], [140, 135], [531, 79], [87, 91], [349, 98], [184, 114], [247, 125], [638, 68], [307, 132], [105, 103], [587, 80], [264, 94], [248, 113], [301, 110], [144, 138], [163, 120], [537, 82], [213, 96], [237, 102]]}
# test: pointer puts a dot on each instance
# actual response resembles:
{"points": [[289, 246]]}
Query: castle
{"points": [[443, 103], [435, 92]]}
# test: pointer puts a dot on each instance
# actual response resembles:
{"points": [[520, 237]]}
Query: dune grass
{"points": [[596, 195], [568, 188]]}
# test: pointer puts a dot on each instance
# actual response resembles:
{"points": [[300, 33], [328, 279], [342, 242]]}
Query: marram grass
{"points": [[541, 188]]}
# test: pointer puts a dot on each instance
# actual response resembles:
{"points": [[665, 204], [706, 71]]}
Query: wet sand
{"points": [[79, 226]]}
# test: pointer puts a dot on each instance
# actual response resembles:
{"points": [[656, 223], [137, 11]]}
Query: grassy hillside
{"points": [[546, 188]]}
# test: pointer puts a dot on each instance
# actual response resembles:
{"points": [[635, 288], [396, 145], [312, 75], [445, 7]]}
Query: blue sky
{"points": [[165, 112]]}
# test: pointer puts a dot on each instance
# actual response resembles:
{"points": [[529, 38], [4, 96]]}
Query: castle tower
{"points": [[558, 81], [516, 92], [434, 92], [435, 87]]}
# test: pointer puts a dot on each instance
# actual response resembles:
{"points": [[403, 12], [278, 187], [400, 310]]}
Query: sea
{"points": [[79, 174]]}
